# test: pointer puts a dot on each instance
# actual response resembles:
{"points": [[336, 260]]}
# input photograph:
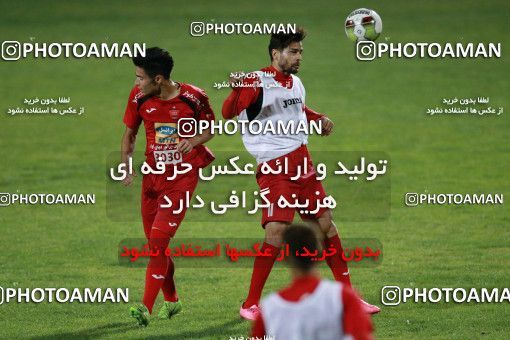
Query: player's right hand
{"points": [[327, 126], [129, 179]]}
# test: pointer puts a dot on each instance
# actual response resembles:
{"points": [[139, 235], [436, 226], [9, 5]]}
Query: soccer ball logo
{"points": [[363, 24]]}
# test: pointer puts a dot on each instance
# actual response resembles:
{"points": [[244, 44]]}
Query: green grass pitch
{"points": [[376, 106]]}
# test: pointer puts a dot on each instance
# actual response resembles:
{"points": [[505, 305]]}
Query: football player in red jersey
{"points": [[159, 102], [275, 94]]}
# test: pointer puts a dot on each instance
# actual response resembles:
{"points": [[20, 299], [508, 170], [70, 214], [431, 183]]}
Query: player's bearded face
{"points": [[290, 58]]}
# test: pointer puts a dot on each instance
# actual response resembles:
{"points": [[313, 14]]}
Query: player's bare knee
{"points": [[274, 232], [326, 223]]}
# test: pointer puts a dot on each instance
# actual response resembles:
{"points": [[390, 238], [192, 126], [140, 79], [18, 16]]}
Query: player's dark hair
{"points": [[156, 61], [298, 236], [279, 41]]}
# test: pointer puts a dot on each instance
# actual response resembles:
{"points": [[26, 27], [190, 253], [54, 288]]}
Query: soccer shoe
{"points": [[141, 314], [169, 309], [368, 308], [249, 313]]}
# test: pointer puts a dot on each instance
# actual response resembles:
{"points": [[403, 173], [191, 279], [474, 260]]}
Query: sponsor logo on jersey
{"points": [[166, 133], [292, 101], [192, 97], [166, 130]]}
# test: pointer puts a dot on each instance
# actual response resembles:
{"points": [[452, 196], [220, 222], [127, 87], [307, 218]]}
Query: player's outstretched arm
{"points": [[127, 147]]}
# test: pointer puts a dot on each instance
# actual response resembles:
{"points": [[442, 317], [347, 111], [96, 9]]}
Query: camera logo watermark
{"points": [[395, 295], [369, 50], [5, 199], [199, 28], [390, 295], [11, 50], [413, 199], [15, 50], [187, 127], [366, 50]]}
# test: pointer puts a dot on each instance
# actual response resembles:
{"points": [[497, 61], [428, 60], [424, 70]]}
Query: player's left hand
{"points": [[327, 126], [184, 146]]}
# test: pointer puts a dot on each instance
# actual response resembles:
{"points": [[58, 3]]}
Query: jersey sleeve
{"points": [[205, 112], [241, 97], [132, 118], [312, 115], [356, 322]]}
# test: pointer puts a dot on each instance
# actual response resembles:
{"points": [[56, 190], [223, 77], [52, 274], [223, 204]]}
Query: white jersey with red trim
{"points": [[279, 104], [316, 316]]}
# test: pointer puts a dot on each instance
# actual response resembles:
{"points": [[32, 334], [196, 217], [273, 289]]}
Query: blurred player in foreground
{"points": [[310, 308], [270, 96], [159, 102]]}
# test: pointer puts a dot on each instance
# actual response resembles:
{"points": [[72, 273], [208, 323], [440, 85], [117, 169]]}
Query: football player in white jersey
{"points": [[270, 95]]}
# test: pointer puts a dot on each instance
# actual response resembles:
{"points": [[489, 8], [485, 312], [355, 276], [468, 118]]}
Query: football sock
{"points": [[156, 268], [261, 268], [337, 263], [168, 287]]}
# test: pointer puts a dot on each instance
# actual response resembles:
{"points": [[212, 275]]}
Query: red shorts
{"points": [[154, 189], [305, 187]]}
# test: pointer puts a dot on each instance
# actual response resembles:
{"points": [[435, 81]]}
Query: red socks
{"points": [[336, 263], [168, 287], [160, 270], [261, 269], [156, 273]]}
